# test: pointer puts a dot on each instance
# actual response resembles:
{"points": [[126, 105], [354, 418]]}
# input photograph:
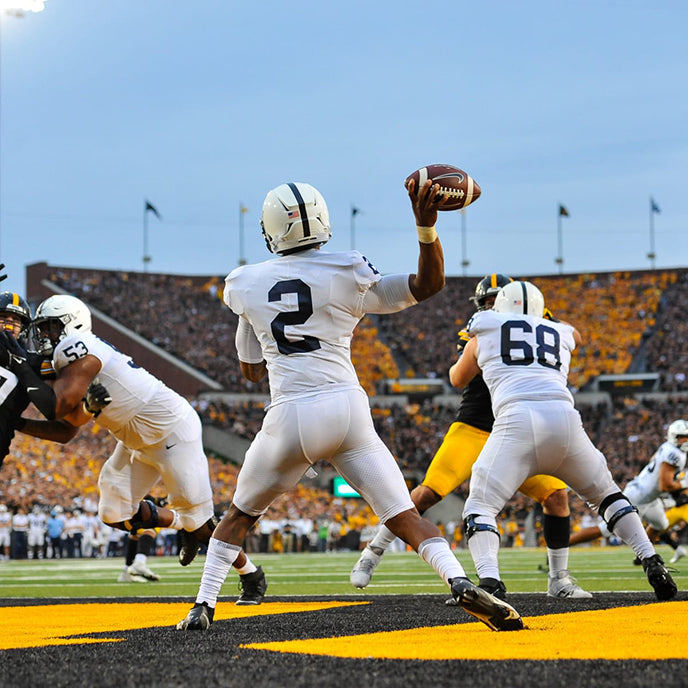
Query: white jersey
{"points": [[645, 486], [522, 357], [37, 522], [303, 309], [143, 410]]}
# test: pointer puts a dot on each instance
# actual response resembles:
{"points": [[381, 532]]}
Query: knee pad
{"points": [[145, 517], [625, 508], [470, 527]]}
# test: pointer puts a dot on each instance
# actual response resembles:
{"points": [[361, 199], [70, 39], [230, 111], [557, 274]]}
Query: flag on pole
{"points": [[243, 209], [653, 206], [355, 211], [563, 212], [153, 209]]}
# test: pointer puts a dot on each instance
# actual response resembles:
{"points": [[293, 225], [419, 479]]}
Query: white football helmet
{"points": [[57, 317], [522, 298], [679, 428], [294, 216]]}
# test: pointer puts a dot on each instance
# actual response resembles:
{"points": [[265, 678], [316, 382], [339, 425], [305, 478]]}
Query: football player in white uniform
{"points": [[524, 360], [5, 531], [37, 530], [297, 314], [158, 432], [663, 475]]}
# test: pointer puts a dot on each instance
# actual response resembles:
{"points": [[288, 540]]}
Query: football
{"points": [[461, 188]]}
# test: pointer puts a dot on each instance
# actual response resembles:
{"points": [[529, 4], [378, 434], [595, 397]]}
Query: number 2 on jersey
{"points": [[298, 317]]}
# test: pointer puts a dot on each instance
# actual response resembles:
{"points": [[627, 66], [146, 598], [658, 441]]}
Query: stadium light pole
{"points": [[146, 255], [654, 208], [354, 211], [242, 211], [559, 260], [464, 259]]}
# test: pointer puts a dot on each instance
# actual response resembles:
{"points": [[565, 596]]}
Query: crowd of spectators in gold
{"points": [[626, 319]]}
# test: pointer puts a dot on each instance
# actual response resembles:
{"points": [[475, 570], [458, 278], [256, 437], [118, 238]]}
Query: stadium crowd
{"points": [[629, 321], [625, 318], [45, 475]]}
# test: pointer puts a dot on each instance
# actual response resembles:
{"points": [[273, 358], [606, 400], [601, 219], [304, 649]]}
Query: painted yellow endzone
{"points": [[653, 631], [56, 624]]}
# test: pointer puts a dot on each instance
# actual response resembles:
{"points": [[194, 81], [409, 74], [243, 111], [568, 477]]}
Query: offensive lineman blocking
{"points": [[158, 435], [524, 360], [451, 466]]}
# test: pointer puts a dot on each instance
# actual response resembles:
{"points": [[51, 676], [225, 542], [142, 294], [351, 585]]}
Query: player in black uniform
{"points": [[452, 465], [20, 373]]}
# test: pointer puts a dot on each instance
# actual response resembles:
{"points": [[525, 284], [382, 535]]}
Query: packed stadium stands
{"points": [[631, 322]]}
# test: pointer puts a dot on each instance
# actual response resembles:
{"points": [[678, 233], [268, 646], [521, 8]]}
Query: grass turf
{"points": [[597, 569]]}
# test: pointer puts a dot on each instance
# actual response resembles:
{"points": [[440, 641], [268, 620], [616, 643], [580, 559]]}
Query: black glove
{"points": [[2, 277], [97, 398], [680, 497], [12, 353]]}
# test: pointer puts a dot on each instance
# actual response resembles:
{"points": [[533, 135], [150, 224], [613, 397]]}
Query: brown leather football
{"points": [[461, 188]]}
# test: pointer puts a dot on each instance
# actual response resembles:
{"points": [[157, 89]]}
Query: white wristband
{"points": [[426, 235]]}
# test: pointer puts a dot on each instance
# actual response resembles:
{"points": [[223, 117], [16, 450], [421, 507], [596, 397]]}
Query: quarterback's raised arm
{"points": [[429, 279]]}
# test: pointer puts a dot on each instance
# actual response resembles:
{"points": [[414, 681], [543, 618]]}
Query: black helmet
{"points": [[489, 286], [16, 305]]}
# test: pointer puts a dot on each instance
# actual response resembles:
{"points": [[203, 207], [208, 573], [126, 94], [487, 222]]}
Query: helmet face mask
{"points": [[294, 217], [520, 298], [677, 434], [489, 286], [57, 317]]}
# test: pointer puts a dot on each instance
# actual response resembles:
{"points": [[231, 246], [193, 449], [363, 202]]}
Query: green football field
{"points": [[523, 570]]}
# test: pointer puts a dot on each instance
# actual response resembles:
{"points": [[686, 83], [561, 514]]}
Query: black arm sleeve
{"points": [[41, 395]]}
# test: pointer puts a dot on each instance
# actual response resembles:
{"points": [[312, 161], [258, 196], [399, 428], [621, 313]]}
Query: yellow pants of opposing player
{"points": [[459, 450], [677, 514]]}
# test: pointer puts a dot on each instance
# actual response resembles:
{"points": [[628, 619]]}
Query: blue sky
{"points": [[200, 107]]}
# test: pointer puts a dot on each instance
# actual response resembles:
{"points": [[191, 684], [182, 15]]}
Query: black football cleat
{"points": [[494, 613], [189, 547], [199, 618], [191, 541], [495, 587], [252, 587], [659, 577]]}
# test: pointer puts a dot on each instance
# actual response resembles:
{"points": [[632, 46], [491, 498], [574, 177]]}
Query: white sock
{"points": [[382, 540], [248, 567], [436, 552], [218, 561], [484, 547], [140, 558], [558, 560], [630, 529]]}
